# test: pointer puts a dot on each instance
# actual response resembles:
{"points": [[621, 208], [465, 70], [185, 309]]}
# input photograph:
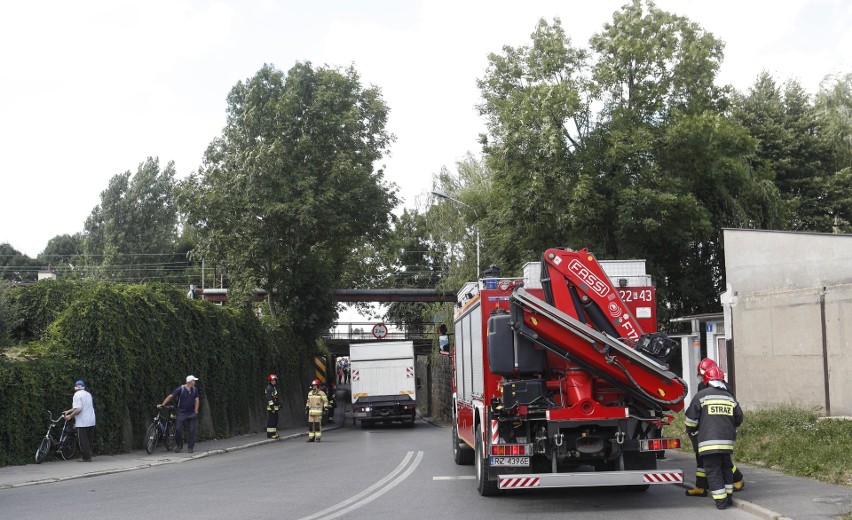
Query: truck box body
{"points": [[383, 383]]}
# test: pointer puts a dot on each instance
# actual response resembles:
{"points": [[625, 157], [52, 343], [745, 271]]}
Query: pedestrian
{"points": [[346, 373], [700, 489], [272, 407], [340, 375], [83, 412], [314, 407], [716, 415], [187, 412]]}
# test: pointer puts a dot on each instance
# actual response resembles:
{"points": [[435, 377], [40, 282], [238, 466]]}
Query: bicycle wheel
{"points": [[66, 447], [170, 435], [42, 451], [151, 438]]}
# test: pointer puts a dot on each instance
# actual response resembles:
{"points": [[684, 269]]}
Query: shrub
{"points": [[133, 345]]}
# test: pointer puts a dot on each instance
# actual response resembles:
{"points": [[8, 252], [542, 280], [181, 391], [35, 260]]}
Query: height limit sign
{"points": [[380, 330]]}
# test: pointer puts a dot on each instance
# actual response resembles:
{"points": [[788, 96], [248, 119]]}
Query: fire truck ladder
{"points": [[607, 357]]}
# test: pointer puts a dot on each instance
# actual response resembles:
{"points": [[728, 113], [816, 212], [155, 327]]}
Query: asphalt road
{"points": [[385, 472]]}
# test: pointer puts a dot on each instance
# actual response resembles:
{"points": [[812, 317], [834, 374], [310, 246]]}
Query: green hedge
{"points": [[133, 344]]}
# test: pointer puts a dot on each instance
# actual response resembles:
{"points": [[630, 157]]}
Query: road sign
{"points": [[380, 330]]}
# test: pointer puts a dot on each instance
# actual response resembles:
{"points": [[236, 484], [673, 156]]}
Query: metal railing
{"points": [[363, 331]]}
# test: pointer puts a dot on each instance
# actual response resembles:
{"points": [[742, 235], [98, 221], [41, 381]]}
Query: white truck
{"points": [[383, 383]]}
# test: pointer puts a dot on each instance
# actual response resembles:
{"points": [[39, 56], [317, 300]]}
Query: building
{"points": [[788, 318]]}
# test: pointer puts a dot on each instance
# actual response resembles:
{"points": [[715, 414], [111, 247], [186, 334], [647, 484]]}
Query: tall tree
{"points": [[536, 107], [131, 234], [289, 190], [625, 148], [834, 113]]}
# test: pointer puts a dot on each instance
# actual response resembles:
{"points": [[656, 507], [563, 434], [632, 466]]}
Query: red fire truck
{"points": [[562, 383]]}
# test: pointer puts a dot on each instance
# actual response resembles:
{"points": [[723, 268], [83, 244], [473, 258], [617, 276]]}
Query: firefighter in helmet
{"points": [[715, 415], [314, 407], [700, 489], [273, 405]]}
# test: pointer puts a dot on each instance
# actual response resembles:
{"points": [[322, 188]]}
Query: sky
{"points": [[90, 89]]}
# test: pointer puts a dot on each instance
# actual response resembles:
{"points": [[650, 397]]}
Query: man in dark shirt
{"points": [[187, 411]]}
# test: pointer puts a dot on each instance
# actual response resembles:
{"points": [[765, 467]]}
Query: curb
{"points": [[181, 460], [748, 507]]}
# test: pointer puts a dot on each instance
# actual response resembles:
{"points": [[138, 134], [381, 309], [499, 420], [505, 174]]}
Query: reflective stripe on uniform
{"points": [[720, 447]]}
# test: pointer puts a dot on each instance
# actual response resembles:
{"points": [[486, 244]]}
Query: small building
{"points": [[46, 274], [788, 318]]}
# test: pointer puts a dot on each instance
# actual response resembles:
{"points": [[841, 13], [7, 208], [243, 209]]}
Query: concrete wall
{"points": [[784, 290]]}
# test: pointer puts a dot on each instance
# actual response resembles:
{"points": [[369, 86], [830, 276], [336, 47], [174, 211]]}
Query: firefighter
{"points": [[700, 489], [715, 415], [273, 405], [315, 406], [330, 393]]}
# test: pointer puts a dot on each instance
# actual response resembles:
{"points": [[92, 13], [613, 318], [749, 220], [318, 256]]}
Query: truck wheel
{"points": [[634, 460], [486, 488], [462, 454]]}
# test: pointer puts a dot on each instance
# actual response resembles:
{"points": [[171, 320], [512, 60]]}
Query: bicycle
{"points": [[162, 428], [64, 446]]}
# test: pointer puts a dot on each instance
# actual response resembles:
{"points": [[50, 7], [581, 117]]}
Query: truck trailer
{"points": [[561, 379], [383, 384]]}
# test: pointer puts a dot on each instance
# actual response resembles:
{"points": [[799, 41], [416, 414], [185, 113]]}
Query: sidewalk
{"points": [[772, 495], [57, 470], [768, 495]]}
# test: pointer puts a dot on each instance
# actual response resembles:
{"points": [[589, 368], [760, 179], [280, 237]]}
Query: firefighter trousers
{"points": [[701, 474], [271, 423], [314, 426], [720, 475]]}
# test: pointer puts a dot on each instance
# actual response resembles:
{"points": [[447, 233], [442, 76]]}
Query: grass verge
{"points": [[790, 440]]}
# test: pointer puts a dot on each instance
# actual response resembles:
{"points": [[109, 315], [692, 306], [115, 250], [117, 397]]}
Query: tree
{"points": [[418, 265], [834, 113], [289, 192], [655, 173], [536, 106], [16, 266], [63, 252], [131, 235]]}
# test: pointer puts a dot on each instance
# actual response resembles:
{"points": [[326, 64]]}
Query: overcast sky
{"points": [[89, 89]]}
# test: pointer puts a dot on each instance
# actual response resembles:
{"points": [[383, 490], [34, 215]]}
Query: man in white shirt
{"points": [[83, 410]]}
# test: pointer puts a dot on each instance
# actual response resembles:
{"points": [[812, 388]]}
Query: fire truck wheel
{"points": [[486, 488], [462, 453]]}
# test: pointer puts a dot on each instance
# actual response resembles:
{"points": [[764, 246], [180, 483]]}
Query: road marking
{"points": [[402, 472], [456, 477]]}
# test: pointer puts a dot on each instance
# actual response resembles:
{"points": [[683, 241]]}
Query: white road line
{"points": [[373, 492], [456, 477]]}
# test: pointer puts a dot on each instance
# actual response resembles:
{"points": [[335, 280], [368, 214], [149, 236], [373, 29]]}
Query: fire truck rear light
{"points": [[659, 444], [510, 450]]}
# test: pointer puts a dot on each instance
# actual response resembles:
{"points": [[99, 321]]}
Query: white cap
{"points": [[191, 378]]}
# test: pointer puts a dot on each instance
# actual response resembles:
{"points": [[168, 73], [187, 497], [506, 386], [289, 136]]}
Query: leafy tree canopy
{"points": [[135, 223], [288, 193]]}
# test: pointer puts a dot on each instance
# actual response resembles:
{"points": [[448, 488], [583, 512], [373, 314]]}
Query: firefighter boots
{"points": [[721, 503], [310, 440], [696, 492], [739, 485]]}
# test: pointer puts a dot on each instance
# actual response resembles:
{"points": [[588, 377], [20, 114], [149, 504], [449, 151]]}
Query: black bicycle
{"points": [[162, 429], [64, 446]]}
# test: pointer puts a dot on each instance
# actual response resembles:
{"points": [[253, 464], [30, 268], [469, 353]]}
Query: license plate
{"points": [[510, 461]]}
